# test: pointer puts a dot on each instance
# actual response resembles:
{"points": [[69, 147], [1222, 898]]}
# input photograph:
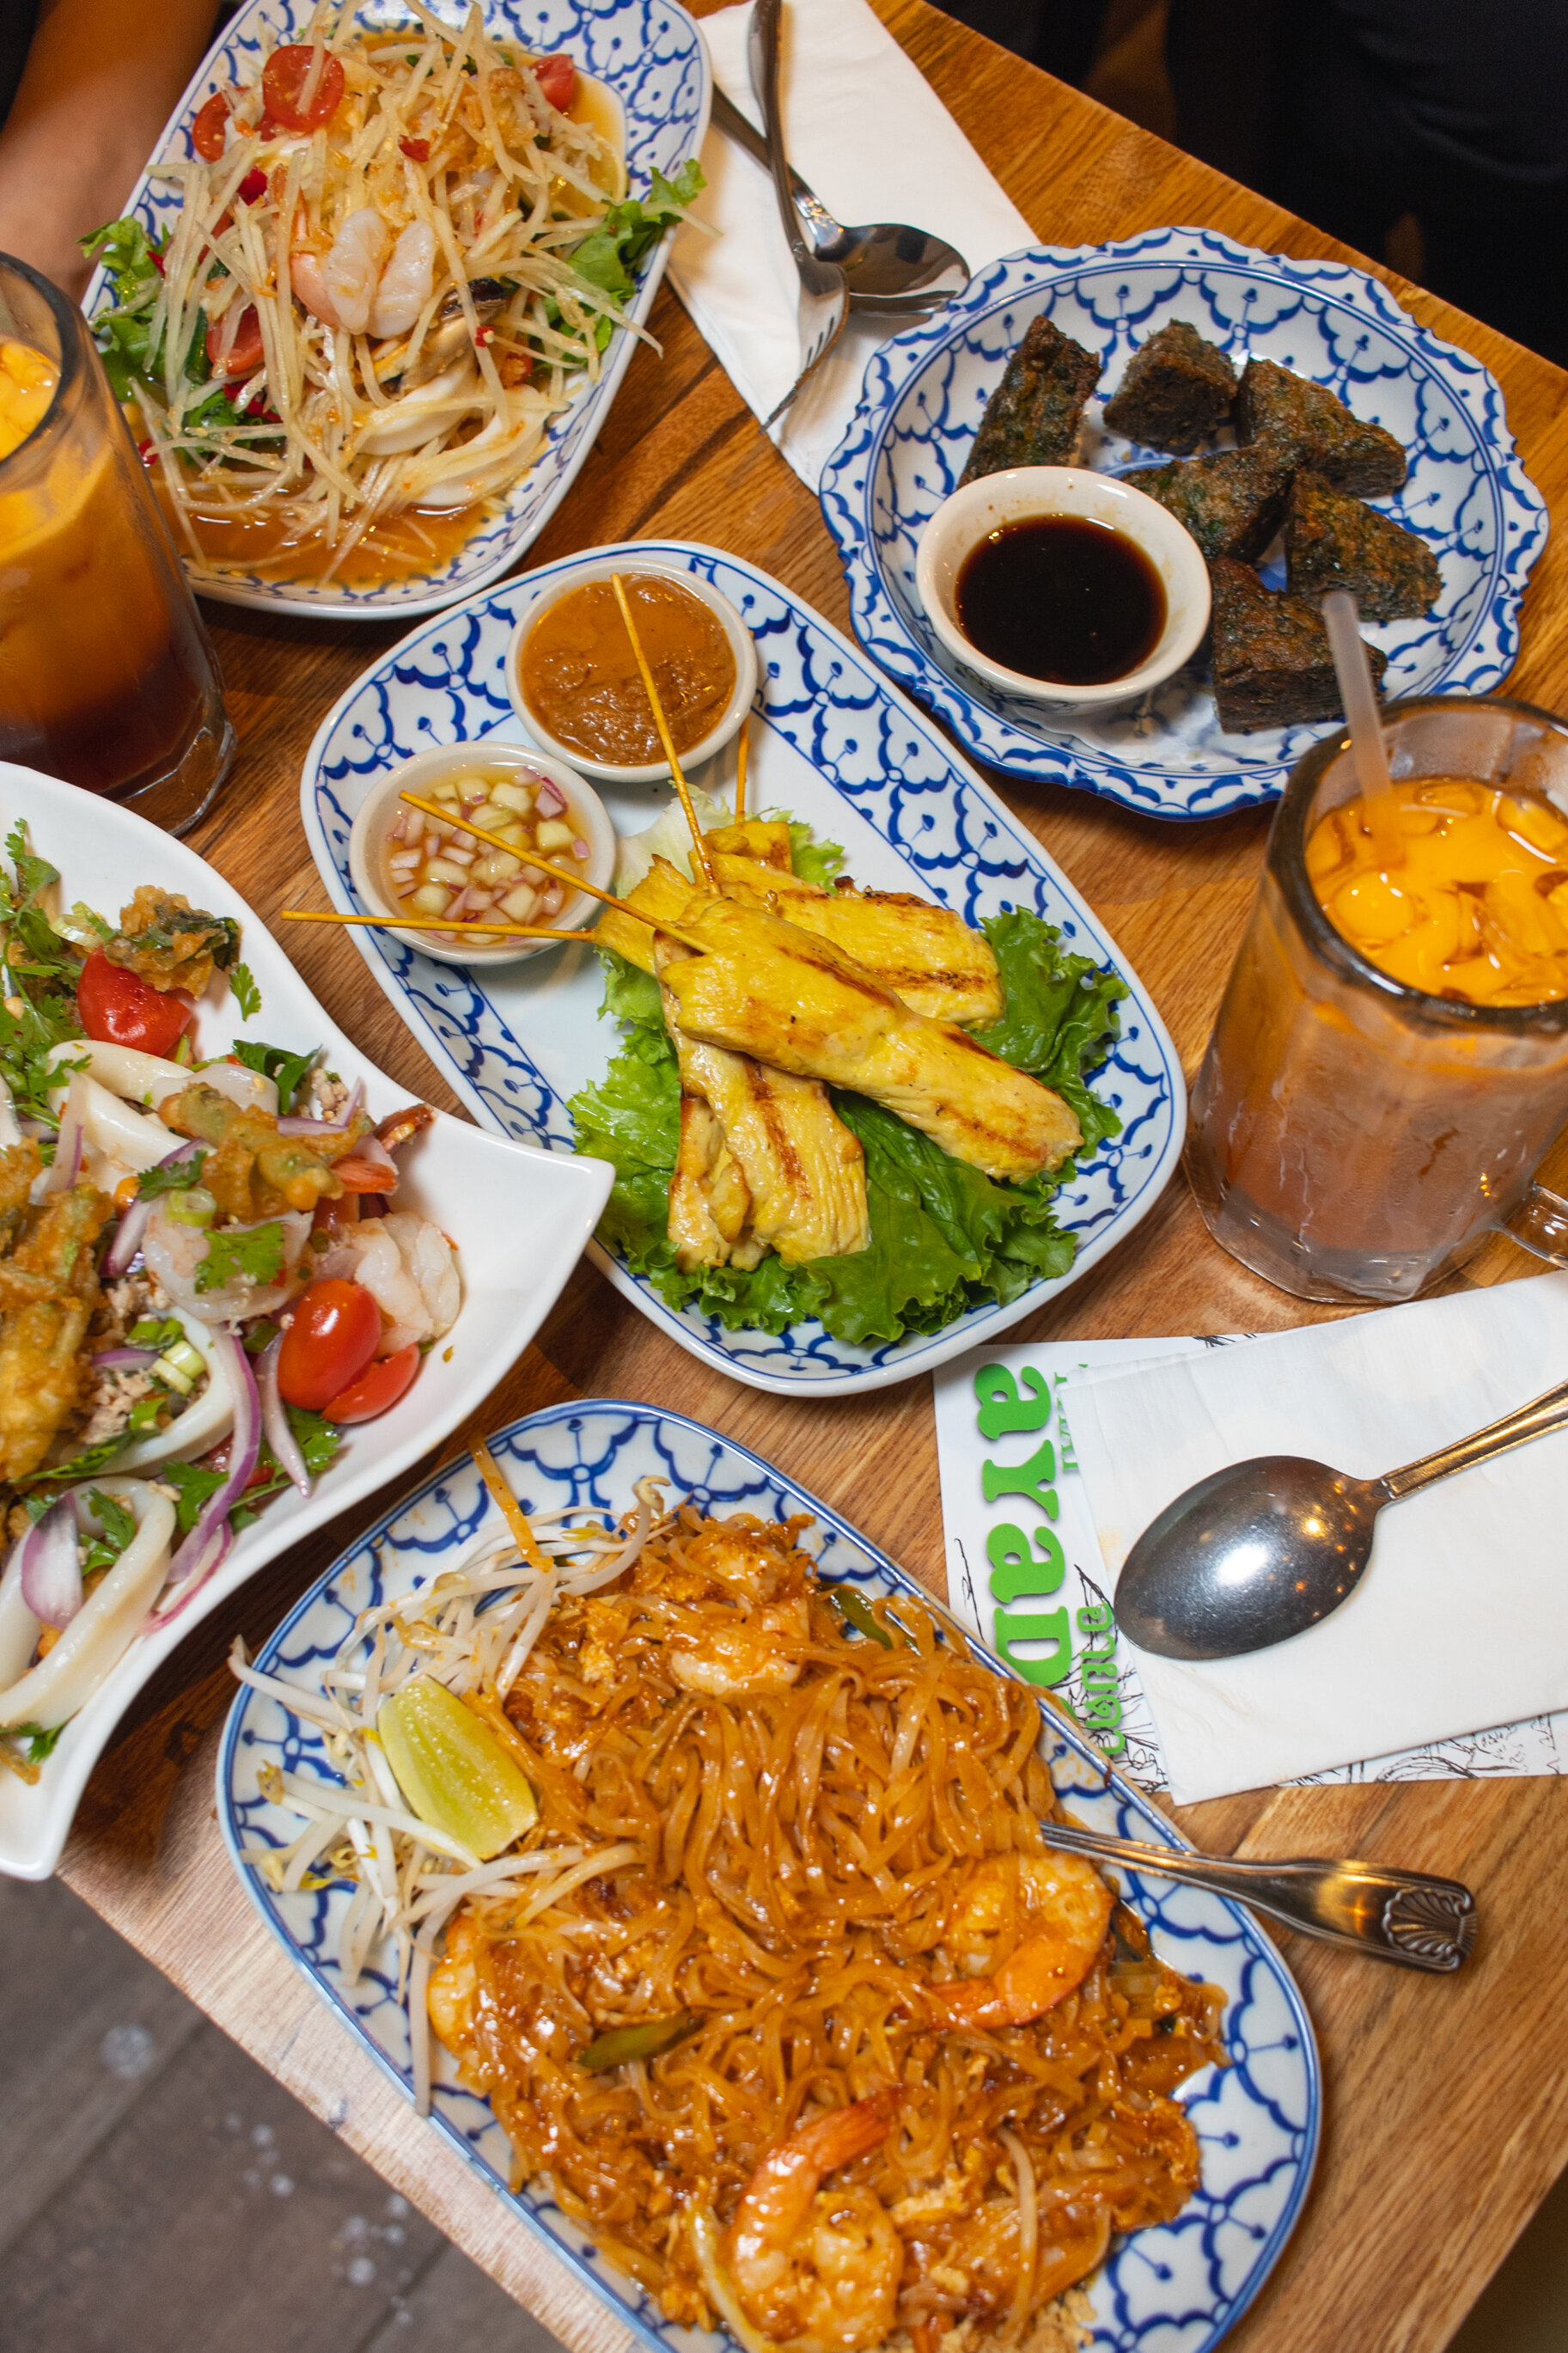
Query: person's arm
{"points": [[102, 80]]}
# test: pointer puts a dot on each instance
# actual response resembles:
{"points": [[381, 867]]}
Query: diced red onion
{"points": [[124, 1360], [339, 1126], [275, 1418], [551, 800], [50, 1565], [134, 1224], [208, 1541]]}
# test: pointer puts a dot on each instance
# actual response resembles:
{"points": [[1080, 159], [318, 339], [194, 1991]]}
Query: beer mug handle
{"points": [[1540, 1224]]}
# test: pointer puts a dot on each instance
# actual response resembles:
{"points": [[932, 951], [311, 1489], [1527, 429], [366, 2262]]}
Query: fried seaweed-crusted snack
{"points": [[1231, 501], [1313, 427], [1177, 391], [1333, 542], [1272, 667], [169, 943], [1032, 417]]}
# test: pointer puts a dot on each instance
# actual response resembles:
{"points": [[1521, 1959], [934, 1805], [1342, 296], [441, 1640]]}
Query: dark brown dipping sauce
{"points": [[579, 674], [1062, 598]]}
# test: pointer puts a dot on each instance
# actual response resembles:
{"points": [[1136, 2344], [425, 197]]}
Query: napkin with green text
{"points": [[1450, 1658]]}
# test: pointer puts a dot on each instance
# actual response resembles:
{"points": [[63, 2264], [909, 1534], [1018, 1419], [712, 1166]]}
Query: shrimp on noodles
{"points": [[830, 2047]]}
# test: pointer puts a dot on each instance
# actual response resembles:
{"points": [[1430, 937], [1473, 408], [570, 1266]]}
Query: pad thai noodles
{"points": [[777, 1983], [398, 248]]}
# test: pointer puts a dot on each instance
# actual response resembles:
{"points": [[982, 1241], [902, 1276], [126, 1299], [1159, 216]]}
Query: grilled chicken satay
{"points": [[49, 1289], [763, 988], [926, 955], [803, 1172]]}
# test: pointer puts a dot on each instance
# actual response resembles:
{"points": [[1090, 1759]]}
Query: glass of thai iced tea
{"points": [[106, 675], [1390, 1063]]}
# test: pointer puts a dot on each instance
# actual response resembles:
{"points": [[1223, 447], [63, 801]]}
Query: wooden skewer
{"points": [[458, 925], [741, 769], [698, 847], [516, 1519], [533, 858]]}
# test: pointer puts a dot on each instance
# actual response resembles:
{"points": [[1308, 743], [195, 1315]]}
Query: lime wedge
{"points": [[453, 1770]]}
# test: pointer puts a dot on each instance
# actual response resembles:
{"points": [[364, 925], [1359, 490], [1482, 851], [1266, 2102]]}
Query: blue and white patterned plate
{"points": [[651, 54], [833, 744], [1174, 2289], [1466, 495]]}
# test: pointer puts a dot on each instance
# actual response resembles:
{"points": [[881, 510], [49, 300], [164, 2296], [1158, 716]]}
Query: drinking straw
{"points": [[456, 925], [1368, 751], [698, 847], [561, 874]]}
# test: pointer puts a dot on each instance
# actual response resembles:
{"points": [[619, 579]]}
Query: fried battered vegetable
{"points": [[20, 1163], [1177, 391], [1334, 541], [1272, 667], [1310, 427], [49, 1289], [1032, 417], [1231, 501], [253, 1171], [169, 943]]}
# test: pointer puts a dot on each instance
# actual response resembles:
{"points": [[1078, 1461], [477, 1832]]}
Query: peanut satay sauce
{"points": [[579, 674], [1478, 909]]}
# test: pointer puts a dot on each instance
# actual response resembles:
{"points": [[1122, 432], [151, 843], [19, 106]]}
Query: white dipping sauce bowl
{"points": [[370, 840], [741, 645], [1026, 493]]}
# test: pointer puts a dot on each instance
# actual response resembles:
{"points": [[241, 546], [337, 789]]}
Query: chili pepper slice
{"points": [[857, 1613]]}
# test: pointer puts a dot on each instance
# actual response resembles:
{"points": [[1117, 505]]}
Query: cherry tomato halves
{"points": [[335, 1332], [285, 79], [244, 353], [557, 80], [208, 132], [379, 1385], [119, 1008]]}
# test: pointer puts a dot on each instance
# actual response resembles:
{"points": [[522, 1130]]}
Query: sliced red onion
{"points": [[275, 1418], [67, 1164], [124, 1360], [374, 1153], [134, 1224], [339, 1126], [50, 1565], [208, 1541], [551, 800]]}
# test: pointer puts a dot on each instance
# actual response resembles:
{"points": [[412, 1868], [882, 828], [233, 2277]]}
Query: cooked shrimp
{"points": [[352, 268], [453, 1982], [1070, 1904], [407, 283], [307, 280], [410, 1268], [739, 1662], [817, 2269]]}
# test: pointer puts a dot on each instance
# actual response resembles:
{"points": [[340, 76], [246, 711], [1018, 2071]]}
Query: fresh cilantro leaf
{"points": [[252, 1250], [195, 1481], [118, 1522], [37, 985], [40, 1744], [276, 1062], [81, 1466], [319, 1441], [34, 874], [178, 1177], [246, 995]]}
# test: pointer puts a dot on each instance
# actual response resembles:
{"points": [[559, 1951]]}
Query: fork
{"points": [[824, 292]]}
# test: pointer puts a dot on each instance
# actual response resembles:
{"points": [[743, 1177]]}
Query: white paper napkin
{"points": [[866, 130], [1462, 1620]]}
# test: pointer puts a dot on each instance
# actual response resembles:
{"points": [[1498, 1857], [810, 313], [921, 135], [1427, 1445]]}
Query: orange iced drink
{"points": [[1476, 911], [27, 382]]}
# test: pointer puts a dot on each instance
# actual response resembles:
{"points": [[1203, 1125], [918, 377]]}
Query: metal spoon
{"points": [[824, 290], [888, 267], [1405, 1916], [1261, 1551]]}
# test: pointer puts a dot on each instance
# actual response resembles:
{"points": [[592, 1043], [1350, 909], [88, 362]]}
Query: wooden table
{"points": [[1448, 2103]]}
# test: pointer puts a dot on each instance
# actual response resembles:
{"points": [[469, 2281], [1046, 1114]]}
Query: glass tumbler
{"points": [[107, 678], [1349, 1137]]}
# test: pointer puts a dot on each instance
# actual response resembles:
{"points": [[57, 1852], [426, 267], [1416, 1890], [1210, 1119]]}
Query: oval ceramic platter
{"points": [[831, 743], [1174, 2289], [1466, 494], [650, 55], [519, 1217]]}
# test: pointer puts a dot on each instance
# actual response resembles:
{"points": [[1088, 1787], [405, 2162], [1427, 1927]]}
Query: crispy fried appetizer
{"points": [[49, 1289], [763, 988], [1177, 390], [169, 943], [1272, 667], [1032, 417], [1231, 501], [1332, 541], [253, 1171], [1310, 427]]}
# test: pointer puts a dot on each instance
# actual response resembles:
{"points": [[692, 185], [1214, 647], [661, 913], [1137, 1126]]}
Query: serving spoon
{"points": [[1263, 1549], [889, 267]]}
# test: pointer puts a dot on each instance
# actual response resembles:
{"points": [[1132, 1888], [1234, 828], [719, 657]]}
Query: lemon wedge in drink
{"points": [[453, 1770]]}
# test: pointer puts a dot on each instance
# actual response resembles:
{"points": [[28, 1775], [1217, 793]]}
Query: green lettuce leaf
{"points": [[612, 256]]}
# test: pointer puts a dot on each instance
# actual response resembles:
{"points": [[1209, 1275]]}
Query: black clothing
{"points": [[18, 19]]}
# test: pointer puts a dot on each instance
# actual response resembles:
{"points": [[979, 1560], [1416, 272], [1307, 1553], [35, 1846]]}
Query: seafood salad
{"points": [[725, 1886], [204, 1279], [398, 250]]}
